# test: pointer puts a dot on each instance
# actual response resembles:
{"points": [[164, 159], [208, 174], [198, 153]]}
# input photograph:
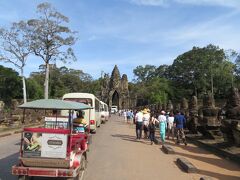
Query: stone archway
{"points": [[114, 89], [115, 99]]}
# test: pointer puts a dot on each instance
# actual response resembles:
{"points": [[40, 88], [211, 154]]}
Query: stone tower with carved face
{"points": [[114, 89]]}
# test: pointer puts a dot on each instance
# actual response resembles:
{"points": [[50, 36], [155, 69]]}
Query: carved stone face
{"points": [[1, 105], [208, 100], [184, 104], [14, 104], [193, 103], [234, 98]]}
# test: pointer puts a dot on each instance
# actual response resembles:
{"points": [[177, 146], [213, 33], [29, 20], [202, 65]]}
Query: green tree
{"points": [[51, 40], [16, 48], [159, 90], [63, 80], [199, 69], [162, 71], [10, 84], [35, 90], [144, 73]]}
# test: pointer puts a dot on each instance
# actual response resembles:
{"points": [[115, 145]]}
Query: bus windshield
{"points": [[86, 101]]}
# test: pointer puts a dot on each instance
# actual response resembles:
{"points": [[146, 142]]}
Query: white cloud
{"points": [[229, 3], [165, 3]]}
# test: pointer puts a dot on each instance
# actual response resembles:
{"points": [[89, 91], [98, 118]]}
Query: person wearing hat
{"points": [[162, 125], [146, 117]]}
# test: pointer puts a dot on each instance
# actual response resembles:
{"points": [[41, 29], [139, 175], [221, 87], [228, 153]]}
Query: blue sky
{"points": [[135, 32]]}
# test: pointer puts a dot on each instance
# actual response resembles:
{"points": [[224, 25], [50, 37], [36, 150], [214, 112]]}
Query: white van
{"points": [[93, 116], [104, 112], [114, 109]]}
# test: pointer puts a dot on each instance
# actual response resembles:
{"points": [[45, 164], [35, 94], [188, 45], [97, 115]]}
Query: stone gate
{"points": [[114, 89]]}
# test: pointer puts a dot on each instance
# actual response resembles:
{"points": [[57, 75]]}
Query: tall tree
{"points": [[51, 40], [200, 68], [144, 73], [15, 48]]}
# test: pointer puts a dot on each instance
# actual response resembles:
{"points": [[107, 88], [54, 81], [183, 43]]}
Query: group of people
{"points": [[167, 123], [127, 114]]}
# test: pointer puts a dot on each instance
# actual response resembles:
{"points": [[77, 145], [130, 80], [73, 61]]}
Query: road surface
{"points": [[116, 155]]}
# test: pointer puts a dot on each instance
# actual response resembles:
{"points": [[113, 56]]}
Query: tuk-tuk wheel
{"points": [[83, 163], [25, 178], [80, 176]]}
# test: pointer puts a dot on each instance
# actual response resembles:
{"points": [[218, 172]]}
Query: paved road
{"points": [[116, 155], [9, 148]]}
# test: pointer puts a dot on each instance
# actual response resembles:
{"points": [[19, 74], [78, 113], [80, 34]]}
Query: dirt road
{"points": [[116, 155]]}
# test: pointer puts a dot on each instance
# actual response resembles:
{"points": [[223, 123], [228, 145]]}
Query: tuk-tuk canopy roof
{"points": [[54, 104]]}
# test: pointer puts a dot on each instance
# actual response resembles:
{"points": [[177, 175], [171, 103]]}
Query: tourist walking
{"points": [[151, 127], [146, 117], [170, 126], [125, 115], [129, 116], [180, 122], [162, 126], [132, 117], [139, 124]]}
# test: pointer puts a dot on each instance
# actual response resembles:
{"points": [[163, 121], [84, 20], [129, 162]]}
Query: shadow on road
{"points": [[6, 166], [188, 148], [199, 156], [211, 174], [218, 176], [213, 161], [131, 138]]}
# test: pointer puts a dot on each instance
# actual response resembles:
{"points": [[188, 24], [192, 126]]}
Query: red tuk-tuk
{"points": [[54, 150]]}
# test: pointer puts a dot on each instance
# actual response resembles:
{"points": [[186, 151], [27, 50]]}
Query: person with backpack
{"points": [[180, 122], [151, 127]]}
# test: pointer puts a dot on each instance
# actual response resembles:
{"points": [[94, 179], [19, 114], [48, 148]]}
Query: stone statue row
{"points": [[211, 121], [13, 116]]}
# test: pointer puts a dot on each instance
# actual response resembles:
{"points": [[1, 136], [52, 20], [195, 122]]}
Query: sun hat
{"points": [[144, 111]]}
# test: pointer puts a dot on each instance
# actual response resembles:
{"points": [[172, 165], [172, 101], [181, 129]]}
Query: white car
{"points": [[114, 109]]}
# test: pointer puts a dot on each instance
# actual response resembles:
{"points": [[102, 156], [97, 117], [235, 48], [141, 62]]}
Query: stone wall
{"points": [[13, 116]]}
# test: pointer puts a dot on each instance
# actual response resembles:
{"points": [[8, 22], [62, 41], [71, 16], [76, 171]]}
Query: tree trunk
{"points": [[212, 83], [46, 81], [24, 87], [195, 91]]}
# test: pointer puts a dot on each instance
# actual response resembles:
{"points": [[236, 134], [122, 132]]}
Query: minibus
{"points": [[104, 112], [93, 116]]}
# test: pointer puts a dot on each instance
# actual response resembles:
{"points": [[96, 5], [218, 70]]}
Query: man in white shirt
{"points": [[139, 124]]}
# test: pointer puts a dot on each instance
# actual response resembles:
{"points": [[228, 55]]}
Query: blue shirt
{"points": [[129, 114], [179, 120]]}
